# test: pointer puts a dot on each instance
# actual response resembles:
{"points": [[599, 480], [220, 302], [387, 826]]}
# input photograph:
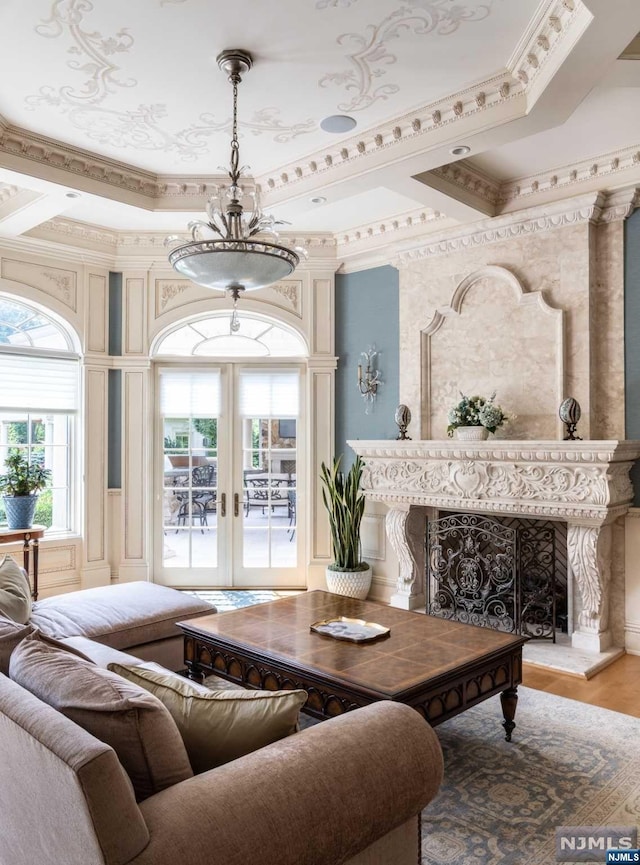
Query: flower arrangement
{"points": [[476, 411]]}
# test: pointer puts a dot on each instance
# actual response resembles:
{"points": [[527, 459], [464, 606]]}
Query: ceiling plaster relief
{"points": [[167, 291], [7, 192], [548, 38], [371, 58], [138, 129], [89, 167], [290, 291]]}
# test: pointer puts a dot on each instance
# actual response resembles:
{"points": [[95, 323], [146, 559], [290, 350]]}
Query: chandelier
{"points": [[230, 252]]}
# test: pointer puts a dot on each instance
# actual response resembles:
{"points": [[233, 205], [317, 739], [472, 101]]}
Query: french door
{"points": [[228, 513]]}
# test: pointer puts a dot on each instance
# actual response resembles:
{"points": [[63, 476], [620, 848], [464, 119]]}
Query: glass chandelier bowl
{"points": [[237, 249]]}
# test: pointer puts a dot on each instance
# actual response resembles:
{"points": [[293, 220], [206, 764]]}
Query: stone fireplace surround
{"points": [[584, 483]]}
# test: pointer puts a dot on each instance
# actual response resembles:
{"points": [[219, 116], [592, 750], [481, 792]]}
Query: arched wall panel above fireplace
{"points": [[495, 336]]}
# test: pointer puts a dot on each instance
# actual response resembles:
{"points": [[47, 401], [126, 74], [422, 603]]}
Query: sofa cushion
{"points": [[15, 592], [121, 615], [11, 633], [219, 726], [130, 719]]}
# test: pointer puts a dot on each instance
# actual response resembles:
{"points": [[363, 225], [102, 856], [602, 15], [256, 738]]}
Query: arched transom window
{"points": [[212, 337]]}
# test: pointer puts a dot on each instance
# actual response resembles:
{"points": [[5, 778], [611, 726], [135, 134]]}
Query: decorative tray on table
{"points": [[353, 630]]}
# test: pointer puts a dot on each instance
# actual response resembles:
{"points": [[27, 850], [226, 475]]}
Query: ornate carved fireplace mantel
{"points": [[584, 483]]}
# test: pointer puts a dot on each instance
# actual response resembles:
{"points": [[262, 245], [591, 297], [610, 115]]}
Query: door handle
{"points": [[236, 504], [223, 504]]}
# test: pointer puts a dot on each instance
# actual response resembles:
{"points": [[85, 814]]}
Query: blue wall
{"points": [[367, 313], [632, 336]]}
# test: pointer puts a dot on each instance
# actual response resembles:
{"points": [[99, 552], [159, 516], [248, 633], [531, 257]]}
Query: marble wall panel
{"points": [[608, 414], [497, 342], [556, 262]]}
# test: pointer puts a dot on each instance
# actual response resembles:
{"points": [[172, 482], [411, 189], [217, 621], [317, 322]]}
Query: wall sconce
{"points": [[369, 380]]}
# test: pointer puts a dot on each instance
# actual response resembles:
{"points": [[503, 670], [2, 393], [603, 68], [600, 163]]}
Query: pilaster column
{"points": [[405, 527], [589, 550]]}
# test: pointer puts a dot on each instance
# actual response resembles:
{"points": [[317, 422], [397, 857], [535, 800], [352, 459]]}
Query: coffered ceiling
{"points": [[114, 113]]}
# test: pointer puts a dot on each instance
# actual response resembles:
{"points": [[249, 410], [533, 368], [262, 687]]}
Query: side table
{"points": [[28, 537]]}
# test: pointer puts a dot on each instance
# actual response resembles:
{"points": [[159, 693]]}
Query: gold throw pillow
{"points": [[218, 726]]}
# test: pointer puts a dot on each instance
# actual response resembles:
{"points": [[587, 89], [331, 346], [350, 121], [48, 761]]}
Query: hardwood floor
{"points": [[617, 687]]}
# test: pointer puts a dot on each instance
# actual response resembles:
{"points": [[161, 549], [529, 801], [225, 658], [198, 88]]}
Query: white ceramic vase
{"points": [[472, 433], [353, 584]]}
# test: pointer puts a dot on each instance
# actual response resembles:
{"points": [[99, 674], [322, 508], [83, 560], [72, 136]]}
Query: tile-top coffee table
{"points": [[439, 667]]}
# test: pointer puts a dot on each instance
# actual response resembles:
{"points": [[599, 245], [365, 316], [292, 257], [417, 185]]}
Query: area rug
{"points": [[569, 764], [225, 600]]}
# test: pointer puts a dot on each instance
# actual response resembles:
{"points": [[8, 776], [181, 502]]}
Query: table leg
{"points": [[36, 551], [509, 700], [25, 555], [194, 672]]}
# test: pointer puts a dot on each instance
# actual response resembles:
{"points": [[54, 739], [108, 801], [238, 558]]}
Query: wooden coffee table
{"points": [[440, 668]]}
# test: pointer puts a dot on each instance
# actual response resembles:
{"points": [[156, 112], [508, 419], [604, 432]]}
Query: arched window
{"points": [[39, 373], [212, 337]]}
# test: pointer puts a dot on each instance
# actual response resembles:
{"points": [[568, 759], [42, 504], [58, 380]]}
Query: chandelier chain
{"points": [[235, 145]]}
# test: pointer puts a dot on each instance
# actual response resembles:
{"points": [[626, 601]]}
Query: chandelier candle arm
{"points": [[227, 252]]}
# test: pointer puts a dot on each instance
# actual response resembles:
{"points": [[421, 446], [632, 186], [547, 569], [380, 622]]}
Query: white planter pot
{"points": [[472, 433], [353, 584]]}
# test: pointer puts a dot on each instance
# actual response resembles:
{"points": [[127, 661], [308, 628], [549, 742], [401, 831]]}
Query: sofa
{"points": [[348, 790]]}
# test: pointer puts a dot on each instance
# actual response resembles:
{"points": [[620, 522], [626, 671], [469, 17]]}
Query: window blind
{"points": [[190, 393], [269, 393], [36, 383]]}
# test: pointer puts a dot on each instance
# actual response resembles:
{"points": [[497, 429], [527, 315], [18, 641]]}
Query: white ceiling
{"points": [[133, 88]]}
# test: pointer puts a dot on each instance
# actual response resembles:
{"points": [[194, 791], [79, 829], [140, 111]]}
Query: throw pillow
{"points": [[128, 718], [219, 726], [11, 633], [15, 592]]}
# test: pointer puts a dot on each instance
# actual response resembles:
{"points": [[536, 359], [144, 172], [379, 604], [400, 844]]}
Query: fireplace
{"points": [[584, 484], [505, 573]]}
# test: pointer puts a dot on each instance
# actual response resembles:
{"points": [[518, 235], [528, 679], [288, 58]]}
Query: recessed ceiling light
{"points": [[337, 123], [318, 199], [72, 195], [460, 150]]}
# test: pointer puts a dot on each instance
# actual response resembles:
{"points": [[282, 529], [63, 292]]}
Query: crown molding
{"points": [[574, 211], [556, 23], [607, 170]]}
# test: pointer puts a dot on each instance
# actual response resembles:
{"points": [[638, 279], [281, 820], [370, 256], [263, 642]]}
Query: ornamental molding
{"points": [[588, 482], [167, 291], [589, 552], [15, 141], [603, 169], [544, 38], [70, 230], [574, 211], [408, 128], [470, 179], [290, 292], [381, 231], [7, 192]]}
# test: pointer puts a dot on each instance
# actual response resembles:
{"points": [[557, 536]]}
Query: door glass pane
{"points": [[190, 491], [269, 492]]}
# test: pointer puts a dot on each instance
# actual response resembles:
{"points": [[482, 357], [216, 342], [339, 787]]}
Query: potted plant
{"points": [[344, 501], [474, 417], [20, 485]]}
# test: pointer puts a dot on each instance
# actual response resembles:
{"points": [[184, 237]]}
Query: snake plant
{"points": [[344, 501]]}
